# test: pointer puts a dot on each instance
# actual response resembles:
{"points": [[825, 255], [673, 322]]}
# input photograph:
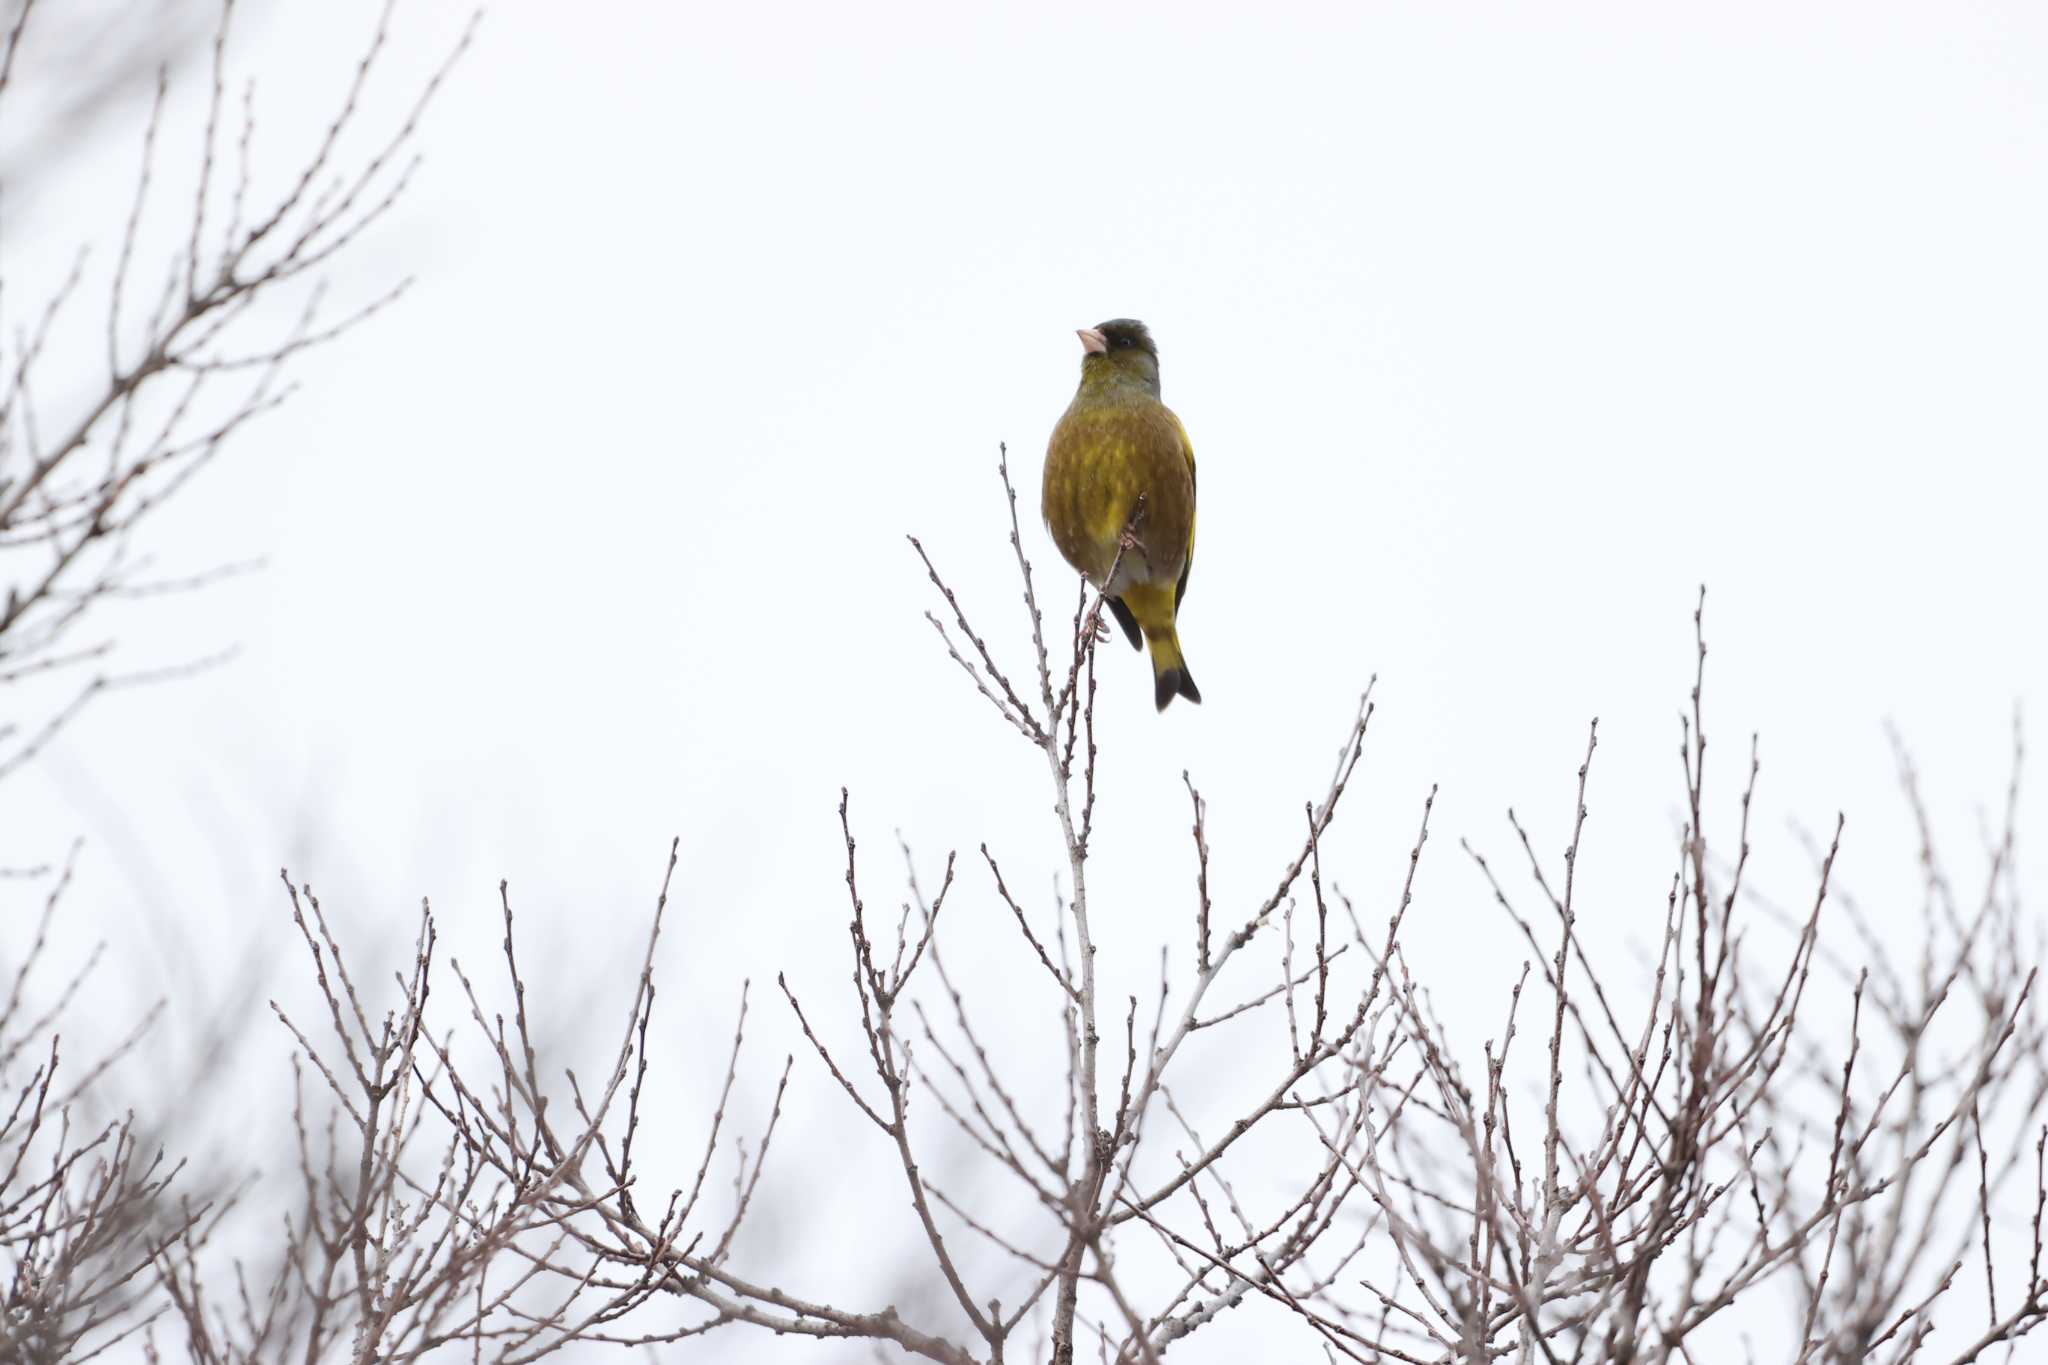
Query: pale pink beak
{"points": [[1093, 341]]}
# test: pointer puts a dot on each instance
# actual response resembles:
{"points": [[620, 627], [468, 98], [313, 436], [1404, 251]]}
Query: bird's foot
{"points": [[1101, 629], [1129, 541]]}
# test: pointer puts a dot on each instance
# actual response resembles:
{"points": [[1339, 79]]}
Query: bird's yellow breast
{"points": [[1105, 453]]}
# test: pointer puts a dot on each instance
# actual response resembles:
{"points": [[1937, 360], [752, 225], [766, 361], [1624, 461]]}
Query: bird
{"points": [[1120, 478]]}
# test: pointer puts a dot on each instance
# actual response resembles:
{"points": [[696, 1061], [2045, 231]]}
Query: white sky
{"points": [[1497, 331]]}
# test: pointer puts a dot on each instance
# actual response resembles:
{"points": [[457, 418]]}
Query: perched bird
{"points": [[1115, 444]]}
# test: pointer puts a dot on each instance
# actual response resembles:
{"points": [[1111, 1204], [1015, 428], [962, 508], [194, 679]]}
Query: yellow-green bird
{"points": [[1116, 443]]}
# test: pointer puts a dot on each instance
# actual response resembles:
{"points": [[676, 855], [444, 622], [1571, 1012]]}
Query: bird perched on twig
{"points": [[1120, 493]]}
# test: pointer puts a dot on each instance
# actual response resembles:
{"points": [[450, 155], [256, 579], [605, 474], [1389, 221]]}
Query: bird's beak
{"points": [[1093, 341]]}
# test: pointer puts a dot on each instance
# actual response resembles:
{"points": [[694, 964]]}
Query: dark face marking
{"points": [[1128, 335]]}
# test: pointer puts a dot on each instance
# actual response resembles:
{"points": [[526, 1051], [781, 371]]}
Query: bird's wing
{"points": [[1187, 447], [1128, 621]]}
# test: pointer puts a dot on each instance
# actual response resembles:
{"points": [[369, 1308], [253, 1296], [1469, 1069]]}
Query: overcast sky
{"points": [[1497, 330]]}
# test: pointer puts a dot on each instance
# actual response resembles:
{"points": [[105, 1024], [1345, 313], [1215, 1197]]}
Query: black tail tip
{"points": [[1171, 683]]}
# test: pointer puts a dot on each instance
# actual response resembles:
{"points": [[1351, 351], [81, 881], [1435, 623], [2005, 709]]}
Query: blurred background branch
{"points": [[165, 331], [68, 65], [201, 325]]}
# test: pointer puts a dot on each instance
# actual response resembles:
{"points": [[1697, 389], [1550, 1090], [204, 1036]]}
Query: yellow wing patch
{"points": [[1180, 589]]}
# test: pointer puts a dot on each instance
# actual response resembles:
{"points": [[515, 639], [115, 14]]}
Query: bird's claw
{"points": [[1100, 630]]}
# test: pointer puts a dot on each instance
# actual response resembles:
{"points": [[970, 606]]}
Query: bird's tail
{"points": [[1170, 676], [1153, 608]]}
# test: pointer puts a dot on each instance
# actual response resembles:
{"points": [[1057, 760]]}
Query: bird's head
{"points": [[1120, 350]]}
